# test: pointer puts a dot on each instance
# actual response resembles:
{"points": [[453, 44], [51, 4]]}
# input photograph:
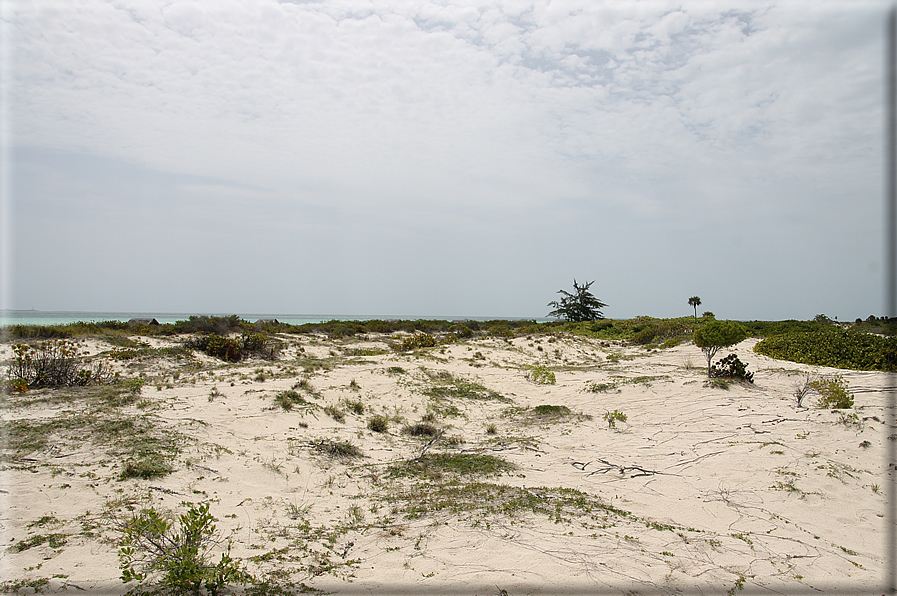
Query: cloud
{"points": [[310, 115]]}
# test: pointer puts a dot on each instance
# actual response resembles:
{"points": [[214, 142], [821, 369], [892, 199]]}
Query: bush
{"points": [[378, 423], [731, 367], [834, 347], [540, 375], [832, 393], [178, 558], [613, 417], [417, 341], [55, 363]]}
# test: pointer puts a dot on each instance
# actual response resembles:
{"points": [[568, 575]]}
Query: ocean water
{"points": [[35, 317]]}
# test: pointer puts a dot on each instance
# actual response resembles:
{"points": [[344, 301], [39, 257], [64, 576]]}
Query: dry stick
{"points": [[622, 469], [428, 445]]}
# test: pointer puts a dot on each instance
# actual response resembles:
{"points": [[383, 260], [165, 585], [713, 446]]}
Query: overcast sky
{"points": [[453, 158]]}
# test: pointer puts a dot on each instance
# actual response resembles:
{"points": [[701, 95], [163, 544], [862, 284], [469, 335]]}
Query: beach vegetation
{"points": [[355, 406], [541, 375], [378, 423], [335, 413], [834, 347], [421, 429], [731, 367], [337, 449], [176, 553], [613, 417], [436, 466], [833, 392], [579, 306], [446, 387], [288, 399], [56, 363], [714, 335]]}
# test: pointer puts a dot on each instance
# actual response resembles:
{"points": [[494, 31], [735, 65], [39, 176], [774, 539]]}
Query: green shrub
{"points": [[548, 410], [378, 423], [177, 554], [832, 392], [55, 363], [834, 347], [417, 341], [613, 417], [288, 399], [541, 376], [731, 367], [335, 413]]}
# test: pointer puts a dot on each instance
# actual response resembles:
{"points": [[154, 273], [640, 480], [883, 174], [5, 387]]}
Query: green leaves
{"points": [[833, 347], [579, 306]]}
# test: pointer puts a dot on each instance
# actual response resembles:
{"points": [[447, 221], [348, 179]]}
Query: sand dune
{"points": [[701, 489]]}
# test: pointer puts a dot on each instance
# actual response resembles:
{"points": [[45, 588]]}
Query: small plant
{"points": [[491, 429], [335, 413], [551, 411], [177, 553], [378, 423], [731, 367], [355, 406], [803, 388], [540, 375], [214, 394], [133, 386], [421, 429], [147, 467], [717, 383], [417, 341], [337, 449], [354, 386], [595, 387], [288, 399], [613, 417], [718, 334], [832, 392]]}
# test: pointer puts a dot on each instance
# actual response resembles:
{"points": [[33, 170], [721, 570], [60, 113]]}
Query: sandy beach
{"points": [[700, 490]]}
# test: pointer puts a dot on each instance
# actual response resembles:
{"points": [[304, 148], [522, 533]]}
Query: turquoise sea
{"points": [[35, 317]]}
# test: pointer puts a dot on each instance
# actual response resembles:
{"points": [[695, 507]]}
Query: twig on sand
{"points": [[429, 444], [640, 471]]}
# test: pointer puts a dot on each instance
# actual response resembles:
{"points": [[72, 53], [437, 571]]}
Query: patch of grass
{"points": [[378, 423], [355, 406], [335, 413], [613, 417], [717, 384], [550, 411], [421, 429], [150, 466], [435, 466], [595, 387], [288, 399], [337, 449], [395, 370], [449, 387], [53, 540]]}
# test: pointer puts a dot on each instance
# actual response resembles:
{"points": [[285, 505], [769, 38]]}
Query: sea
{"points": [[38, 317]]}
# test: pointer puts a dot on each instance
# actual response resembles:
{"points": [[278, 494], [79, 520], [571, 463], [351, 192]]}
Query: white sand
{"points": [[718, 484]]}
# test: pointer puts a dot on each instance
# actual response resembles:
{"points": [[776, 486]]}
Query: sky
{"points": [[443, 158]]}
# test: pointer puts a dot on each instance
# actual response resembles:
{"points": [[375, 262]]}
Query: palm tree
{"points": [[696, 302]]}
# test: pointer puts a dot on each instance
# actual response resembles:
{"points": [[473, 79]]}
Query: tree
{"points": [[718, 334], [695, 301], [579, 306]]}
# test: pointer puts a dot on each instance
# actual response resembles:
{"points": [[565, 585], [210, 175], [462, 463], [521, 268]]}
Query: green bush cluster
{"points": [[55, 363], [834, 347], [417, 341], [833, 393], [177, 553], [731, 367], [232, 349], [541, 375]]}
